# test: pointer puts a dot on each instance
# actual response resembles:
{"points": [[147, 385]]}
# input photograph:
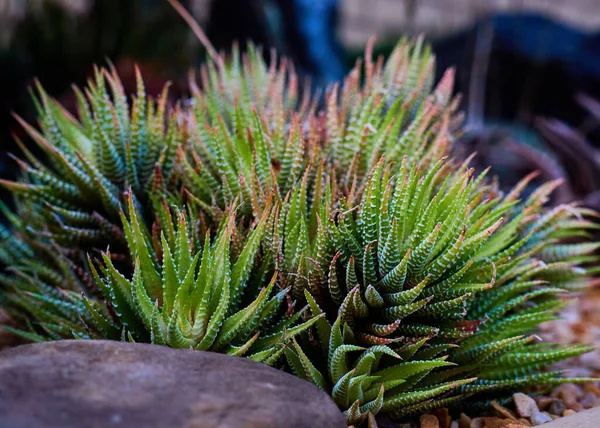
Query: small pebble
{"points": [[372, 421], [557, 407], [543, 401], [591, 359], [464, 421], [477, 423], [564, 401], [443, 416], [497, 422], [588, 400], [429, 421], [503, 410], [539, 418], [525, 405], [590, 387], [569, 392]]}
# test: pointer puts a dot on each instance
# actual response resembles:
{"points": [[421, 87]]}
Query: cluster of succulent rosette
{"points": [[335, 239]]}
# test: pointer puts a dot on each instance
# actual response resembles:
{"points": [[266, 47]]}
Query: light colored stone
{"points": [[586, 419], [429, 421], [539, 418], [464, 421], [477, 423], [525, 405]]}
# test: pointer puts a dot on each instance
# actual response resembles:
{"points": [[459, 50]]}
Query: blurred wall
{"points": [[362, 18], [389, 18]]}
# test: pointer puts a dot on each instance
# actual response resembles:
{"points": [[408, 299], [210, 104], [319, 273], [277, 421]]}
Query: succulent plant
{"points": [[342, 244]]}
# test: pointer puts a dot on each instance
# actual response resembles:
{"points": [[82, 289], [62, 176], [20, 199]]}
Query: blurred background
{"points": [[529, 70]]}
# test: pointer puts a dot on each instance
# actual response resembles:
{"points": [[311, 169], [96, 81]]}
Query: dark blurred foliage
{"points": [[536, 66], [60, 48], [529, 85], [522, 76]]}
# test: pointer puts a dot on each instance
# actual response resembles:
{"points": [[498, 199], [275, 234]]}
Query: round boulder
{"points": [[98, 384]]}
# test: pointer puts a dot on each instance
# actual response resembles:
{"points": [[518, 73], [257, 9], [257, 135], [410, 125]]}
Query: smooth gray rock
{"points": [[539, 418], [525, 405], [97, 384], [586, 419]]}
